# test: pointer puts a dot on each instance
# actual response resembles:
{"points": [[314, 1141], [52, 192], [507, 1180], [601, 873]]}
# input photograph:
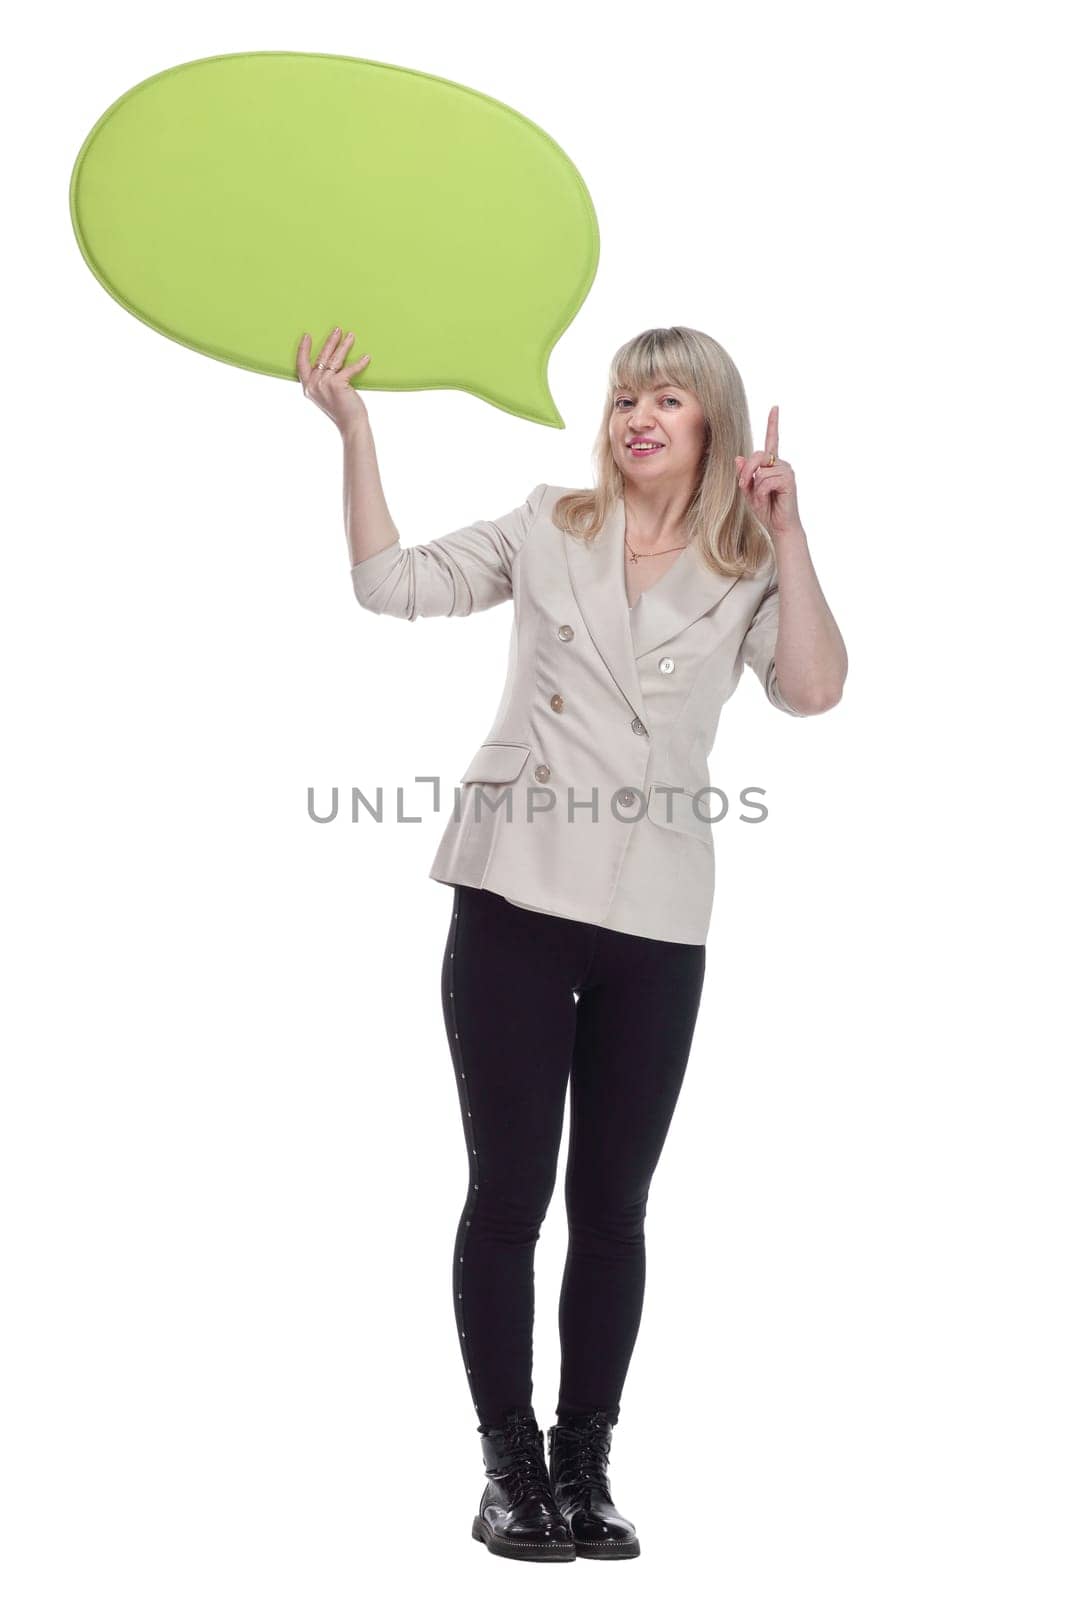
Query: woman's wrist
{"points": [[355, 429]]}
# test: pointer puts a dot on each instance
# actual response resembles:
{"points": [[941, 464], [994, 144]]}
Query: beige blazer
{"points": [[584, 798]]}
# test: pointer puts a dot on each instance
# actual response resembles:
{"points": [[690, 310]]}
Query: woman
{"points": [[582, 895]]}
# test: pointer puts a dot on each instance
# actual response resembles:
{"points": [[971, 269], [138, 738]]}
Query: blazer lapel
{"points": [[599, 584], [686, 591]]}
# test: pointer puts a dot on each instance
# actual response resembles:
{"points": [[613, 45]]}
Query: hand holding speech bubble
{"points": [[232, 202]]}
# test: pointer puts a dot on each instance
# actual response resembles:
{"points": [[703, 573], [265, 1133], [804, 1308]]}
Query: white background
{"points": [[233, 1161]]}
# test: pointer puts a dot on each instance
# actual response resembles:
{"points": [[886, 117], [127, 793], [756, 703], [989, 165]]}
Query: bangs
{"points": [[646, 365], [659, 358], [636, 376]]}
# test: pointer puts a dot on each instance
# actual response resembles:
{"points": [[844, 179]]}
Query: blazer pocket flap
{"points": [[686, 812], [497, 763]]}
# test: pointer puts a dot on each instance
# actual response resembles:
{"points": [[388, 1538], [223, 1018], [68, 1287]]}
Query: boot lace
{"points": [[587, 1456], [525, 1466]]}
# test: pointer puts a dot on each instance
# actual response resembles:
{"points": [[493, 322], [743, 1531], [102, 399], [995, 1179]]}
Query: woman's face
{"points": [[670, 419]]}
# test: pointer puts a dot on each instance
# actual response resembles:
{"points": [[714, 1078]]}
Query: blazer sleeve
{"points": [[758, 647], [461, 572]]}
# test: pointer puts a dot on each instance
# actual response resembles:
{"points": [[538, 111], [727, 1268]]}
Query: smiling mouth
{"points": [[641, 449]]}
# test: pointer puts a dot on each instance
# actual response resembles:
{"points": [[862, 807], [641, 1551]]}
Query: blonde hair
{"points": [[718, 518]]}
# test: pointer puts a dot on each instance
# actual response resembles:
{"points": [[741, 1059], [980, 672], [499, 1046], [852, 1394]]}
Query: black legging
{"points": [[518, 1035]]}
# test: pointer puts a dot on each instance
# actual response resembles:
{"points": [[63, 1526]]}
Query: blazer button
{"points": [[666, 664], [542, 773], [556, 702], [638, 726], [565, 632], [627, 797]]}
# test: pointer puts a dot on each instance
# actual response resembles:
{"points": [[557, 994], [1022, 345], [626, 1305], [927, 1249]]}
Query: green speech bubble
{"points": [[236, 202]]}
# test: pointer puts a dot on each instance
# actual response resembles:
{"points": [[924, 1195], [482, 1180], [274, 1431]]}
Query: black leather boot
{"points": [[518, 1515], [578, 1476]]}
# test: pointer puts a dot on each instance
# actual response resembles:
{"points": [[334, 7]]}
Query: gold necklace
{"points": [[644, 554]]}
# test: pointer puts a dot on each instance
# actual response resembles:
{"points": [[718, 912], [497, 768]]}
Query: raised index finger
{"points": [[772, 431]]}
